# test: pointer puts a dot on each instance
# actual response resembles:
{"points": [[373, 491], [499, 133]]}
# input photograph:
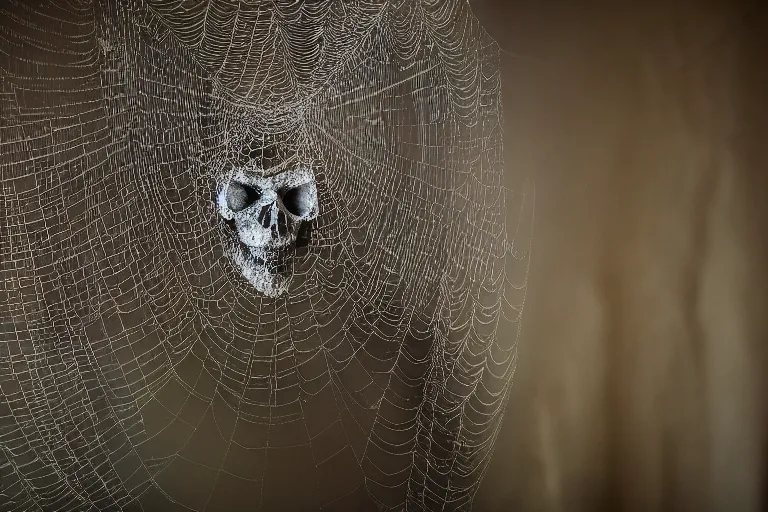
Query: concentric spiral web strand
{"points": [[139, 370]]}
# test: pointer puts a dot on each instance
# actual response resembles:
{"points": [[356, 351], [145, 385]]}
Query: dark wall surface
{"points": [[641, 383]]}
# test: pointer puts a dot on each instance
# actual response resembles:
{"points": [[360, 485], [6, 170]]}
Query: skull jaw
{"points": [[261, 271]]}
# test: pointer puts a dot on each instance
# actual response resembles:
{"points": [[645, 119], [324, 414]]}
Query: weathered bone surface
{"points": [[267, 214]]}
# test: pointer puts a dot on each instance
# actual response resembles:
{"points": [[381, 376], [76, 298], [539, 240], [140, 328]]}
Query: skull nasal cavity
{"points": [[240, 196], [299, 200]]}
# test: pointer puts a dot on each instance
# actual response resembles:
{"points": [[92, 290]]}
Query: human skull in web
{"points": [[254, 255], [269, 199]]}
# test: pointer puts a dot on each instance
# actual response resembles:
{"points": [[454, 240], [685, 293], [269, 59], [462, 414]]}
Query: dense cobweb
{"points": [[139, 370]]}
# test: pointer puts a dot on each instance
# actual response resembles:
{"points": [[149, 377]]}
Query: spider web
{"points": [[139, 370]]}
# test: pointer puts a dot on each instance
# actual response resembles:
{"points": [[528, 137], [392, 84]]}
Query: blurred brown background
{"points": [[641, 382]]}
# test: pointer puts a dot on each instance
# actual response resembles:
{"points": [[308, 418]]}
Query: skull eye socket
{"points": [[300, 200], [240, 196]]}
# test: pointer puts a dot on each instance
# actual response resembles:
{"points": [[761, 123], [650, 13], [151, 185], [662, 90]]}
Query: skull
{"points": [[270, 217]]}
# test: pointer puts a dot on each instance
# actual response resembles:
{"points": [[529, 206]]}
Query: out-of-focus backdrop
{"points": [[641, 384]]}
